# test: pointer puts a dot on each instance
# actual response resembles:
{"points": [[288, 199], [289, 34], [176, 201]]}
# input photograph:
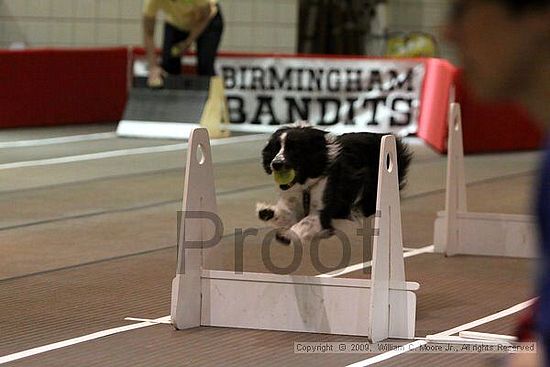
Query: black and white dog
{"points": [[336, 177]]}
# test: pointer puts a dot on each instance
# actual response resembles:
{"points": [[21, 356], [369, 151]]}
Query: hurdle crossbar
{"points": [[381, 307]]}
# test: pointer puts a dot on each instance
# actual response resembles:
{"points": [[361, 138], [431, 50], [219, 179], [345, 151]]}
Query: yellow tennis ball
{"points": [[284, 177], [175, 51]]}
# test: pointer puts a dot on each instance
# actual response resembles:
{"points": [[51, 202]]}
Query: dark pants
{"points": [[206, 45]]}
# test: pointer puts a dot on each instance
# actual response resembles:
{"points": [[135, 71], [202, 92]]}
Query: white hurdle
{"points": [[378, 308], [457, 231]]}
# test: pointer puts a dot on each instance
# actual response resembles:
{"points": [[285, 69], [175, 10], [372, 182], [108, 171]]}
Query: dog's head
{"points": [[302, 149]]}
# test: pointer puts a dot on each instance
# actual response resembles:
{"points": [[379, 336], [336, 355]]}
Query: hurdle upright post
{"points": [[199, 200], [388, 316], [455, 197]]}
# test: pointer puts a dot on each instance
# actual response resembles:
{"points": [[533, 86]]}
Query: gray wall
{"points": [[251, 25]]}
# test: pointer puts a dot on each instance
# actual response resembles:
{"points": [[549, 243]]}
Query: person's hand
{"points": [[155, 80], [179, 48]]}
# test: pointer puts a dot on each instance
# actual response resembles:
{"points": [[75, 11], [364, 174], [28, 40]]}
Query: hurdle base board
{"points": [[451, 339], [152, 129], [487, 336], [300, 303], [489, 234]]}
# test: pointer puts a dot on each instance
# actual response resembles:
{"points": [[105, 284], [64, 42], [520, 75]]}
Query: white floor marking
{"points": [[143, 323], [93, 156], [125, 152], [507, 312], [162, 320], [116, 153], [56, 140], [460, 340], [368, 264], [444, 334], [66, 343]]}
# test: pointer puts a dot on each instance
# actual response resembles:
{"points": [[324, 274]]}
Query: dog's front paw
{"points": [[307, 228], [265, 212], [283, 239], [326, 233]]}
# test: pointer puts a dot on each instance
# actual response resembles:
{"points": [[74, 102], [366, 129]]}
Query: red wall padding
{"points": [[50, 87], [490, 127], [432, 124], [60, 86], [487, 127]]}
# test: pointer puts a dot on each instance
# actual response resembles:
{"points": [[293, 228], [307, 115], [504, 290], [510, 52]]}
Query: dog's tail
{"points": [[404, 157]]}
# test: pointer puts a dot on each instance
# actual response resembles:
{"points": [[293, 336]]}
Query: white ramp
{"points": [[184, 104]]}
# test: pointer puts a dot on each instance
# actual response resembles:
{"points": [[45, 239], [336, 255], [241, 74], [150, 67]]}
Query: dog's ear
{"points": [[268, 153], [266, 161], [271, 149], [314, 153]]}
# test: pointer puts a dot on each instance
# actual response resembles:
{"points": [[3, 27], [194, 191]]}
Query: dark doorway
{"points": [[341, 27]]}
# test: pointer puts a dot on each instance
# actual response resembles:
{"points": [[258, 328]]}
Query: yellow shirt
{"points": [[181, 14]]}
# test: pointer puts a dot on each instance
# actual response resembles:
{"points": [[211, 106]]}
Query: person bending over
{"points": [[186, 22]]}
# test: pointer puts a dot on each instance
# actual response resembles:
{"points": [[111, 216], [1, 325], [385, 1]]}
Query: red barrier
{"points": [[432, 124], [487, 127], [491, 127], [60, 86], [54, 86]]}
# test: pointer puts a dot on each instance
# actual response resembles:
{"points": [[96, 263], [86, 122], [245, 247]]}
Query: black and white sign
{"points": [[341, 94]]}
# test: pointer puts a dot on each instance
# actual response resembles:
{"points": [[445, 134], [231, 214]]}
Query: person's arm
{"points": [[155, 71], [205, 15], [149, 40]]}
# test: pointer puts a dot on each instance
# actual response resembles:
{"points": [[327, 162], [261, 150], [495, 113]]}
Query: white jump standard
{"points": [[457, 231], [378, 308]]}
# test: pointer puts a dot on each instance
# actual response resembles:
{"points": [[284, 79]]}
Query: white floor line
{"points": [[367, 362], [125, 152], [507, 312], [162, 320], [418, 343], [143, 323], [368, 264], [56, 140], [66, 343]]}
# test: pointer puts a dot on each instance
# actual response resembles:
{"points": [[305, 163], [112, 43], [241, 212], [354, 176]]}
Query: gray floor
{"points": [[89, 240]]}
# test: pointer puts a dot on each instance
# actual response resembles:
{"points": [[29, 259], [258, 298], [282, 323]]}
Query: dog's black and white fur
{"points": [[336, 175]]}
